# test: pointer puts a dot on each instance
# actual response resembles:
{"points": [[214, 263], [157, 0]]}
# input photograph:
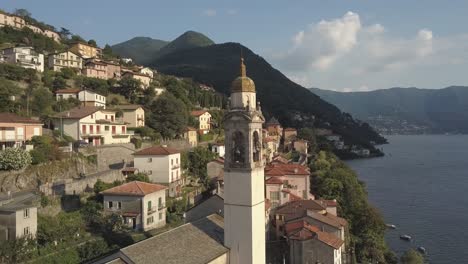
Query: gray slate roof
{"points": [[212, 205], [193, 243], [18, 201]]}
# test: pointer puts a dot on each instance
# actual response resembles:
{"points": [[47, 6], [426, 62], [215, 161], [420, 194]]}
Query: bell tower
{"points": [[244, 182]]}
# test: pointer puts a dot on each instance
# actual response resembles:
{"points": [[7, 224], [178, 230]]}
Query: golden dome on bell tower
{"points": [[242, 83]]}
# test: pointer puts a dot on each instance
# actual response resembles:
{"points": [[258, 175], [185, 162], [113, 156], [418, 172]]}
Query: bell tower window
{"points": [[257, 148], [238, 147]]}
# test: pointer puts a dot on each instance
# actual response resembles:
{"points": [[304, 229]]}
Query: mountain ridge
{"points": [[433, 110], [217, 65]]}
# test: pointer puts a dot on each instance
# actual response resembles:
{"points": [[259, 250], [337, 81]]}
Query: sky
{"points": [[342, 45]]}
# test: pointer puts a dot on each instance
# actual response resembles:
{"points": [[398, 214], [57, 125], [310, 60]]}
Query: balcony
{"points": [[152, 210], [174, 167]]}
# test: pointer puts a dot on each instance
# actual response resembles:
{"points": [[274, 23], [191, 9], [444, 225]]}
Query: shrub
{"points": [[138, 177], [14, 159], [136, 142]]}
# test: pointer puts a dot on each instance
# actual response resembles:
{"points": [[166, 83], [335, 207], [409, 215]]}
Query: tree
{"points": [[168, 116], [58, 83], [92, 42], [64, 33], [129, 87], [45, 149], [22, 12], [138, 177], [92, 249], [17, 250], [9, 94], [42, 102], [198, 159], [412, 257], [77, 38], [14, 159]]}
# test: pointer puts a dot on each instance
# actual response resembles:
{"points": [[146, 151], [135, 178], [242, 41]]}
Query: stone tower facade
{"points": [[244, 181]]}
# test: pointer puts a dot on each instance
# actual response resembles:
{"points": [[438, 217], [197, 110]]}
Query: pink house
{"points": [[15, 130], [287, 182], [95, 69]]}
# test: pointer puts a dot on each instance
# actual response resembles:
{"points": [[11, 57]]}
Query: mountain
{"points": [[406, 110], [217, 65], [144, 50], [138, 48]]}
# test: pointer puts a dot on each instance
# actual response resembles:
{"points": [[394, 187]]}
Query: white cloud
{"points": [[344, 47], [209, 12]]}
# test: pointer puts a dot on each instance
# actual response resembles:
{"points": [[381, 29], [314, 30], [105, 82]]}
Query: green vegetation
{"points": [[14, 159], [45, 149], [26, 36], [168, 115], [195, 162], [138, 177], [334, 180], [412, 257]]}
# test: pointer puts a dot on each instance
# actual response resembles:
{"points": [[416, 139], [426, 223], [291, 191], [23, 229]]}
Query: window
{"points": [[149, 205], [150, 172], [284, 195], [106, 128], [119, 205], [150, 159], [26, 213], [160, 216], [160, 202], [274, 195], [149, 220], [26, 231], [172, 162], [172, 176], [110, 204], [177, 161]]}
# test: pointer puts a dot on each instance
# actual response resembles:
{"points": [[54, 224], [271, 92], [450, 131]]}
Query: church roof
{"points": [[242, 83], [193, 243], [273, 121]]}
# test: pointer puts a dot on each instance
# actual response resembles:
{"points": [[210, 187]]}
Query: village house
{"points": [[270, 146], [204, 120], [218, 149], [308, 244], [274, 129], [25, 57], [133, 115], [86, 97], [215, 169], [85, 50], [144, 79], [287, 182], [147, 71], [95, 69], [18, 215], [66, 59], [142, 205], [113, 70], [15, 130], [289, 134], [92, 124], [52, 34], [301, 146], [191, 136], [162, 164], [11, 20]]}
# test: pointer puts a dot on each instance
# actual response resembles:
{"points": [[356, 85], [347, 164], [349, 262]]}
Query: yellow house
{"points": [[190, 135], [204, 120], [66, 59], [143, 78], [84, 50]]}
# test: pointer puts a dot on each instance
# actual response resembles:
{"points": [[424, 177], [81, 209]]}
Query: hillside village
{"points": [[106, 161]]}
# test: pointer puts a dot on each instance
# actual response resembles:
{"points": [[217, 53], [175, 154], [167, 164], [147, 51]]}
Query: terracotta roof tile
{"points": [[295, 209], [286, 169], [301, 230], [273, 180], [189, 128], [157, 151], [68, 91], [135, 188], [328, 219], [198, 112], [127, 107], [14, 118], [289, 129]]}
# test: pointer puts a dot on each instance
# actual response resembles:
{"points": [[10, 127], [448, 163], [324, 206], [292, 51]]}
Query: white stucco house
{"points": [[25, 57], [86, 97], [162, 164], [92, 124], [142, 205], [18, 215], [219, 149]]}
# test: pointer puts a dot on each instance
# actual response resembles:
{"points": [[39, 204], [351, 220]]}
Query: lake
{"points": [[421, 186]]}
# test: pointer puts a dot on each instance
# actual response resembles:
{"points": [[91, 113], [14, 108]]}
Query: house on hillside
{"points": [[162, 164], [85, 50], [191, 136], [287, 182], [18, 215], [133, 115], [11, 20], [25, 57], [15, 130], [86, 97], [141, 205], [95, 69], [92, 124], [143, 78], [204, 120], [218, 149], [147, 71], [66, 59], [289, 134]]}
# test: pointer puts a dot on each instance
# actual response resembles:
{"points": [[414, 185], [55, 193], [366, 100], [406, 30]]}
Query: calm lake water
{"points": [[421, 186]]}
